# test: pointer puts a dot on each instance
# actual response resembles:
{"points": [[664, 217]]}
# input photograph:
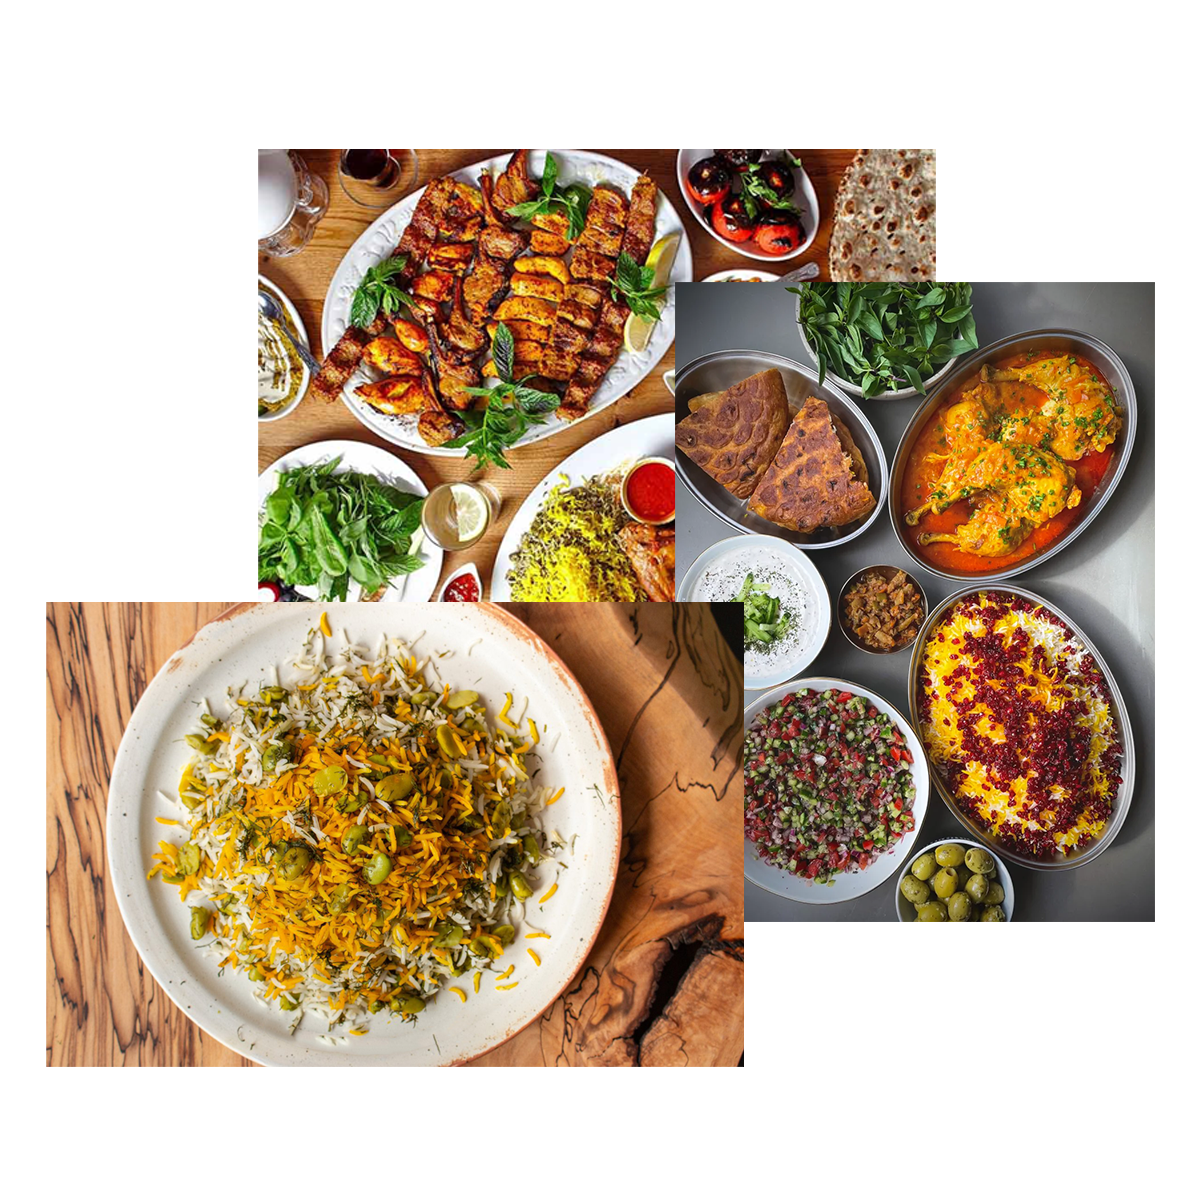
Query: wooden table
{"points": [[663, 983], [305, 278]]}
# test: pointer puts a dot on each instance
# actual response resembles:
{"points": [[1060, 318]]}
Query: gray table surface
{"points": [[1104, 579]]}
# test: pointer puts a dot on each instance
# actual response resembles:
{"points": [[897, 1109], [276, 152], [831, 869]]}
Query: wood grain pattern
{"points": [[305, 278], [662, 984]]}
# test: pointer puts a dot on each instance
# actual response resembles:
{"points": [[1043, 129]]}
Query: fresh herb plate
{"points": [[958, 347], [379, 240], [365, 458]]}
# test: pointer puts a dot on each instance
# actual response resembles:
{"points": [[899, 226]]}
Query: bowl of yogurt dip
{"points": [[777, 570]]}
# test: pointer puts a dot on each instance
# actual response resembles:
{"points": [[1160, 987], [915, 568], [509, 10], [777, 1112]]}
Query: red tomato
{"points": [[730, 220], [845, 697]]}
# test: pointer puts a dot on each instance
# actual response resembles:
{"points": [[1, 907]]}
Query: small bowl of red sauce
{"points": [[462, 586], [648, 491]]}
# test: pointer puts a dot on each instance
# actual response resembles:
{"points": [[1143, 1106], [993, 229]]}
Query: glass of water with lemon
{"points": [[457, 514]]}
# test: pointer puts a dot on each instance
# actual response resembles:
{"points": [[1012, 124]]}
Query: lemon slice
{"points": [[470, 513], [662, 259]]}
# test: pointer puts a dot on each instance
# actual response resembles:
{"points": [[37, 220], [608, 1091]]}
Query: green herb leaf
{"points": [[504, 350], [376, 290], [632, 284]]}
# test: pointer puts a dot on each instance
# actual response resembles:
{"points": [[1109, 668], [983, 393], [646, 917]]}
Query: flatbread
{"points": [[812, 483], [733, 435], [884, 217], [858, 466]]}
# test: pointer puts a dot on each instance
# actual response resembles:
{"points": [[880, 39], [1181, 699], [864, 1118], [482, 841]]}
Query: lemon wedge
{"points": [[662, 259], [470, 513]]}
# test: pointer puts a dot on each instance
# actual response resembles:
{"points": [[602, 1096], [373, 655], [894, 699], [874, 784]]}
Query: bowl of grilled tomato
{"points": [[757, 201]]}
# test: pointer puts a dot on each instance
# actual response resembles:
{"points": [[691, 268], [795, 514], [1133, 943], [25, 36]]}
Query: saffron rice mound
{"points": [[570, 551], [1018, 719], [360, 839]]}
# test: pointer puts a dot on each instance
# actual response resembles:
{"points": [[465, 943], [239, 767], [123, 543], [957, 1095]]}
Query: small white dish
{"points": [[906, 910], [804, 199], [666, 462], [742, 553], [846, 885], [295, 322], [744, 274], [467, 569]]}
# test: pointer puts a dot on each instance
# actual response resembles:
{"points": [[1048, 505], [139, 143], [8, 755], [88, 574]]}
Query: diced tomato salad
{"points": [[829, 785]]}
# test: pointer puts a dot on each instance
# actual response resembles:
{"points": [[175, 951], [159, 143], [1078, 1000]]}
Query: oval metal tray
{"points": [[719, 371], [1124, 734], [1090, 348]]}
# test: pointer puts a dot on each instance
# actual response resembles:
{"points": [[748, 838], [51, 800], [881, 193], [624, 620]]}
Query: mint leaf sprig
{"points": [[573, 200], [512, 409], [377, 291], [635, 285]]}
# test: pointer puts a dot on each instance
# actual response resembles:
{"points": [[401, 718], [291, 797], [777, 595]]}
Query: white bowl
{"points": [[805, 573], [847, 885], [905, 392], [907, 911], [296, 323], [467, 569], [804, 198], [740, 273]]}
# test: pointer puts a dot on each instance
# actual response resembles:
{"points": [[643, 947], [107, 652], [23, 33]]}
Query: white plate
{"points": [[906, 910], [365, 458], [654, 436], [243, 645], [847, 885], [379, 240], [804, 199], [740, 273], [296, 324], [817, 620]]}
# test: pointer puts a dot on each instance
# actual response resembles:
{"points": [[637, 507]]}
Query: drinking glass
{"points": [[299, 197], [377, 177]]}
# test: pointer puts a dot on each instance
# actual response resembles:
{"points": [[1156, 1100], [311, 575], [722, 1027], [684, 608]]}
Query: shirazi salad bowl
{"points": [[1120, 718], [906, 910], [846, 885]]}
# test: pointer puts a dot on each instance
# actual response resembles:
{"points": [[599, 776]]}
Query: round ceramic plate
{"points": [[654, 436], [379, 240], [478, 646], [365, 458], [296, 323], [846, 885], [741, 553], [804, 199]]}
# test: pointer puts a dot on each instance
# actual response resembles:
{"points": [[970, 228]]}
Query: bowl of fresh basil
{"points": [[884, 341]]}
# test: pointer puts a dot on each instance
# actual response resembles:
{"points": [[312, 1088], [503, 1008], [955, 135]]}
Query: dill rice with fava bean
{"points": [[303, 795]]}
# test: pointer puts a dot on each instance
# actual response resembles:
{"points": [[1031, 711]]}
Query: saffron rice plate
{"points": [[472, 647]]}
